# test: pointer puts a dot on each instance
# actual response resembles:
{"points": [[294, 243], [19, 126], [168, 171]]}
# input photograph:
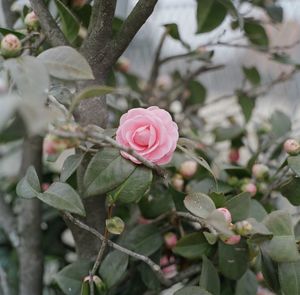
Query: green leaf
{"points": [[70, 278], [199, 204], [284, 58], [64, 62], [275, 12], [173, 31], [294, 164], [291, 188], [148, 277], [198, 92], [257, 211], [192, 291], [256, 34], [134, 187], [218, 221], [259, 232], [70, 165], [90, 92], [247, 284], [29, 186], [233, 259], [289, 277], [113, 268], [247, 105], [69, 22], [282, 247], [228, 133], [209, 278], [144, 239], [239, 206], [281, 123], [6, 31], [63, 197], [192, 246], [252, 75], [210, 14], [115, 225], [106, 171]]}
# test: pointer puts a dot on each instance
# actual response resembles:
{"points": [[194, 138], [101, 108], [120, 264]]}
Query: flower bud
{"points": [[78, 3], [168, 265], [232, 240], [31, 21], [250, 188], [234, 155], [178, 182], [226, 214], [291, 146], [164, 82], [45, 186], [243, 228], [123, 64], [170, 240], [259, 277], [260, 171], [10, 46], [188, 168]]}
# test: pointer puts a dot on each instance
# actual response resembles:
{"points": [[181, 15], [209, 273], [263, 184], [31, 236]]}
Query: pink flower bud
{"points": [[243, 228], [188, 168], [178, 182], [259, 277], [123, 64], [250, 188], [226, 214], [11, 46], [31, 21], [164, 82], [260, 171], [168, 266], [292, 147], [164, 260], [232, 240], [45, 186], [234, 156], [170, 240], [78, 3]]}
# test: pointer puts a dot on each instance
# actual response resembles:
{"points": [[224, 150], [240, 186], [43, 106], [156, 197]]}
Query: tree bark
{"points": [[29, 222]]}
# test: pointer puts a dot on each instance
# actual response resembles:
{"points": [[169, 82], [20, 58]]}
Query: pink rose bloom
{"points": [[150, 132]]}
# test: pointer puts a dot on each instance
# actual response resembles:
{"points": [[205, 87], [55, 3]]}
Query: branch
{"points": [[9, 223], [48, 24], [138, 16], [4, 282], [155, 267]]}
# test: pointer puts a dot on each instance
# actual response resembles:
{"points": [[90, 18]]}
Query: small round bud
{"points": [[168, 266], [188, 168], [292, 147], [260, 171], [45, 186], [260, 277], [78, 3], [123, 64], [31, 21], [164, 82], [250, 188], [243, 228], [232, 240], [170, 240], [10, 46], [178, 182], [234, 156], [226, 214]]}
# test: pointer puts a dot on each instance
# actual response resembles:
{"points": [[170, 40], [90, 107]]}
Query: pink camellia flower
{"points": [[170, 240], [232, 240], [291, 146], [226, 214], [150, 132], [188, 168]]}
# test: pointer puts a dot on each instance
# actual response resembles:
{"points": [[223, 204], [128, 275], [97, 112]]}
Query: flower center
{"points": [[142, 135]]}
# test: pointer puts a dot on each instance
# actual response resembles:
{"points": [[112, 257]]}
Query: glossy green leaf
{"points": [[256, 34], [199, 204], [173, 31], [228, 133], [70, 166], [291, 188], [239, 206], [218, 221], [69, 22], [144, 239], [29, 186], [210, 14], [6, 31], [252, 75], [281, 123], [198, 92], [247, 105], [247, 284], [209, 278], [192, 291], [70, 278], [192, 246], [233, 259], [294, 164], [64, 62], [113, 268], [275, 12], [106, 171], [257, 211], [289, 277], [63, 197], [134, 187]]}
